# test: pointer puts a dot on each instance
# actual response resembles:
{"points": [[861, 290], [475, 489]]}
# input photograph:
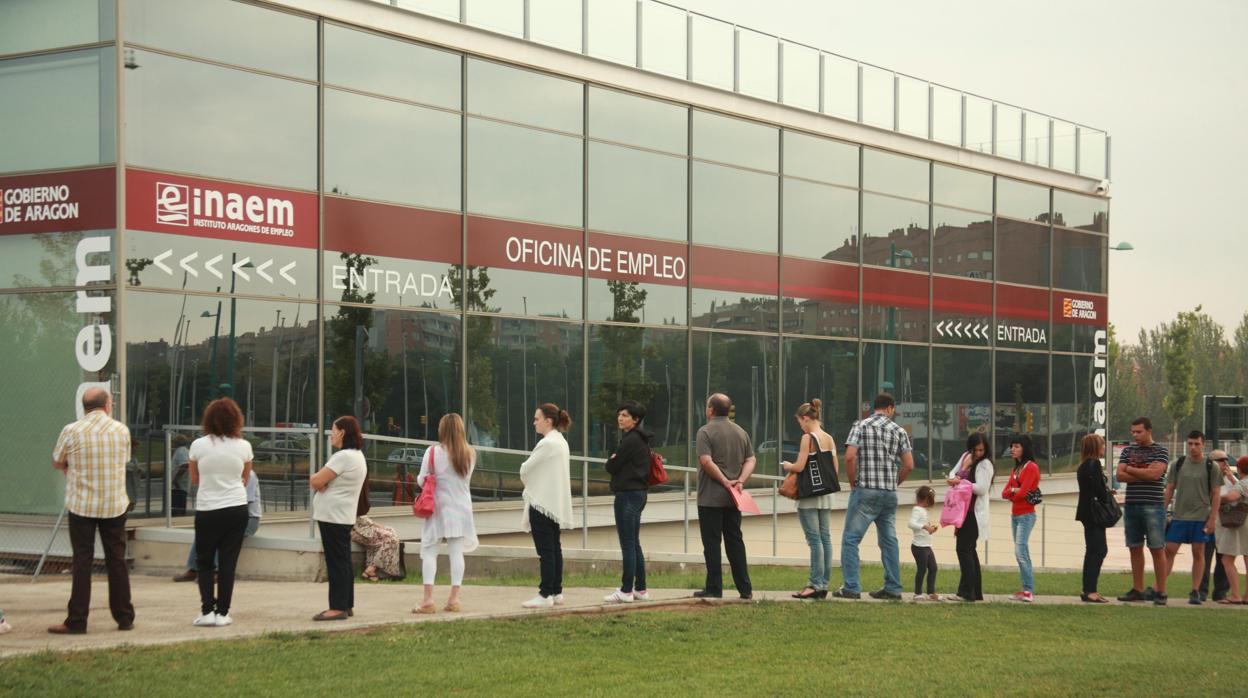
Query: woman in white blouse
{"points": [[548, 500], [976, 468], [451, 462], [334, 506]]}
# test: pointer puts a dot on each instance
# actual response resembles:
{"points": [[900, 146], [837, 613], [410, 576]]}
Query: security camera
{"points": [[1102, 187]]}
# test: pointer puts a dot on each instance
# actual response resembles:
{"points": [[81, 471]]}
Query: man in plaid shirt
{"points": [[873, 450], [92, 452]]}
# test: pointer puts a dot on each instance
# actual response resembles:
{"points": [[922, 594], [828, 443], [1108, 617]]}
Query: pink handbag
{"points": [[423, 506], [957, 504]]}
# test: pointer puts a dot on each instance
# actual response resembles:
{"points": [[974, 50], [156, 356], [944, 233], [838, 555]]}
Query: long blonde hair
{"points": [[455, 443]]}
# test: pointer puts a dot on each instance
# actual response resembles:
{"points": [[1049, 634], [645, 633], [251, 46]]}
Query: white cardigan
{"points": [[982, 487], [547, 483]]}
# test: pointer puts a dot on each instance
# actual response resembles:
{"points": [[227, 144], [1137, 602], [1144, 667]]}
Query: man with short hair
{"points": [[1142, 466], [873, 451], [92, 452], [726, 461], [1194, 492], [1221, 585]]}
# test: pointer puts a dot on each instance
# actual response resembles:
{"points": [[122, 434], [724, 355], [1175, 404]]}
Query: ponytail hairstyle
{"points": [[455, 443], [811, 410], [1024, 441], [559, 418]]}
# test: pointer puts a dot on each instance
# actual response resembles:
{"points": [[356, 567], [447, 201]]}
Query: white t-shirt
{"points": [[337, 504], [220, 462]]}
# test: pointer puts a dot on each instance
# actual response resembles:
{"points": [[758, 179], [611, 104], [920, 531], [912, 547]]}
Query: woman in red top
{"points": [[1024, 480]]}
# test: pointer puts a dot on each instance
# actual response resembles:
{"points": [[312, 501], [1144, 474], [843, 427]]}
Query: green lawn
{"points": [[747, 649]]}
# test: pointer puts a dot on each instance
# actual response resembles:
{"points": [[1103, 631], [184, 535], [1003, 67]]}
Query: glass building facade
{"points": [[220, 197]]}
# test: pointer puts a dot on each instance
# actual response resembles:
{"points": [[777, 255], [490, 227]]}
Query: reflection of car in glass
{"points": [[767, 451], [406, 455], [280, 448]]}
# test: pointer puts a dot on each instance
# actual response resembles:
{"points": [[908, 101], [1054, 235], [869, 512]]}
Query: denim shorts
{"points": [[1181, 531], [1145, 521]]}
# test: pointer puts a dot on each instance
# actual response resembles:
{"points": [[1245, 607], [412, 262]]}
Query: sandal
{"points": [[326, 615], [370, 576], [1228, 602], [451, 607], [807, 593], [425, 609]]}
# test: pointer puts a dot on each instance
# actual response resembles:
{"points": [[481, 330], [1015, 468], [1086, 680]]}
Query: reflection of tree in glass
{"points": [[57, 266], [136, 266], [354, 374], [624, 360], [473, 291]]}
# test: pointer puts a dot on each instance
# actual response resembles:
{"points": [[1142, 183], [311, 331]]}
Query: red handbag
{"points": [[423, 506], [658, 474]]}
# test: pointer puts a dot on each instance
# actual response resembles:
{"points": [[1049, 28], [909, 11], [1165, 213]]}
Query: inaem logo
{"points": [[173, 204]]}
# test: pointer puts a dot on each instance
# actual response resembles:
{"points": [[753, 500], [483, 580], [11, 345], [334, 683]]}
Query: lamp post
{"points": [[277, 322], [229, 381]]}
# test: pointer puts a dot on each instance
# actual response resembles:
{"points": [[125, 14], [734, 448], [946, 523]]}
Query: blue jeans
{"points": [[628, 507], [866, 507], [816, 524], [1022, 525], [253, 524]]}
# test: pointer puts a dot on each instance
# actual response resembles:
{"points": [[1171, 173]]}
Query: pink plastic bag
{"points": [[957, 504], [744, 501]]}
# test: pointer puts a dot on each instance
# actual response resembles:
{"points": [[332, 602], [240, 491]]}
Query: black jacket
{"points": [[630, 465], [1091, 479]]}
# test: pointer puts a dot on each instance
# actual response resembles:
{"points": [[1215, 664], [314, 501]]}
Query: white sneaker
{"points": [[558, 599], [618, 596], [641, 596], [4, 626], [224, 620], [539, 601], [208, 620]]}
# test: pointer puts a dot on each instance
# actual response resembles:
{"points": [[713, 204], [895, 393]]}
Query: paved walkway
{"points": [[165, 610]]}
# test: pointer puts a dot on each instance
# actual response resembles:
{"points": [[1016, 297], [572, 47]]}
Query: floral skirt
{"points": [[381, 546]]}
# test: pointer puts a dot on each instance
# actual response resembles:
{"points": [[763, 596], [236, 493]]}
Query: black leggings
{"points": [[970, 585], [925, 560], [1094, 554], [219, 534]]}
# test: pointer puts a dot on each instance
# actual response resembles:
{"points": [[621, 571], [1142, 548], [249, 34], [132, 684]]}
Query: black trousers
{"points": [[925, 560], [970, 585], [1221, 585], [545, 532], [218, 535], [113, 539], [723, 523], [336, 541], [1095, 550]]}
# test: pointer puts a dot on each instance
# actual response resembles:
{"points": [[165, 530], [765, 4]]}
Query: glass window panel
{"points": [[446, 9], [745, 369], [663, 37], [524, 269], [32, 25], [912, 106], [387, 66], [961, 311], [877, 97], [524, 96], [353, 277], [1091, 153], [801, 76], [820, 222], [517, 172], [1072, 409], [895, 305], [1063, 146], [958, 187], [1082, 212], [1036, 146], [1022, 317], [824, 369], [1009, 132], [900, 371], [840, 87], [962, 243], [1023, 201], [556, 22], [734, 310], [978, 124], [1079, 260], [820, 298], [946, 115], [38, 349], [649, 366], [1077, 318], [895, 174], [503, 16], [1023, 252], [649, 123], [514, 365], [757, 69], [48, 259], [613, 30], [226, 31], [735, 141], [1022, 405], [961, 403], [389, 151], [894, 232], [712, 52], [66, 115], [818, 158], [631, 301], [272, 141], [619, 177], [734, 208], [517, 292]]}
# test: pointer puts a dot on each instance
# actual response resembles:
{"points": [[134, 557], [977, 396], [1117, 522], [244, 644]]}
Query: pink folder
{"points": [[744, 501]]}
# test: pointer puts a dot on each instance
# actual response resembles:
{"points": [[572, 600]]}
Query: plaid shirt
{"points": [[881, 442], [96, 448]]}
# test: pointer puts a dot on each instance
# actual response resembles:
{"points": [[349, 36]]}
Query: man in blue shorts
{"points": [[1193, 486], [1143, 467]]}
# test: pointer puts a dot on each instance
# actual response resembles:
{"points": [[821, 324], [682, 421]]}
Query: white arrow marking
{"points": [[189, 258], [983, 332], [260, 270], [208, 266], [286, 276], [940, 328], [159, 261], [238, 268], [958, 329]]}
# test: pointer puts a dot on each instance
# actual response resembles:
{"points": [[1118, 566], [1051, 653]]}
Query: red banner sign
{"points": [[385, 230], [1022, 303], [812, 279], [58, 202], [899, 289]]}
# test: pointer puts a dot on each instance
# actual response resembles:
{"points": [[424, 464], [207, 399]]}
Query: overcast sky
{"points": [[1165, 80]]}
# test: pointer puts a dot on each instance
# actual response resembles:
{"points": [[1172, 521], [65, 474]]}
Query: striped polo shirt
{"points": [[1140, 456]]}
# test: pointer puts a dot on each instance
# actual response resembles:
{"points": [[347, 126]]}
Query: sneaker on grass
{"points": [[539, 601], [558, 599], [224, 620], [1024, 596], [641, 595], [208, 620], [618, 596]]}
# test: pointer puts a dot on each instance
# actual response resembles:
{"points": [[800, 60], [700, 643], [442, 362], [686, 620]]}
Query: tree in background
{"points": [[1180, 370]]}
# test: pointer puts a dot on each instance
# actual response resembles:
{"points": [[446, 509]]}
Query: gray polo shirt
{"points": [[729, 446]]}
